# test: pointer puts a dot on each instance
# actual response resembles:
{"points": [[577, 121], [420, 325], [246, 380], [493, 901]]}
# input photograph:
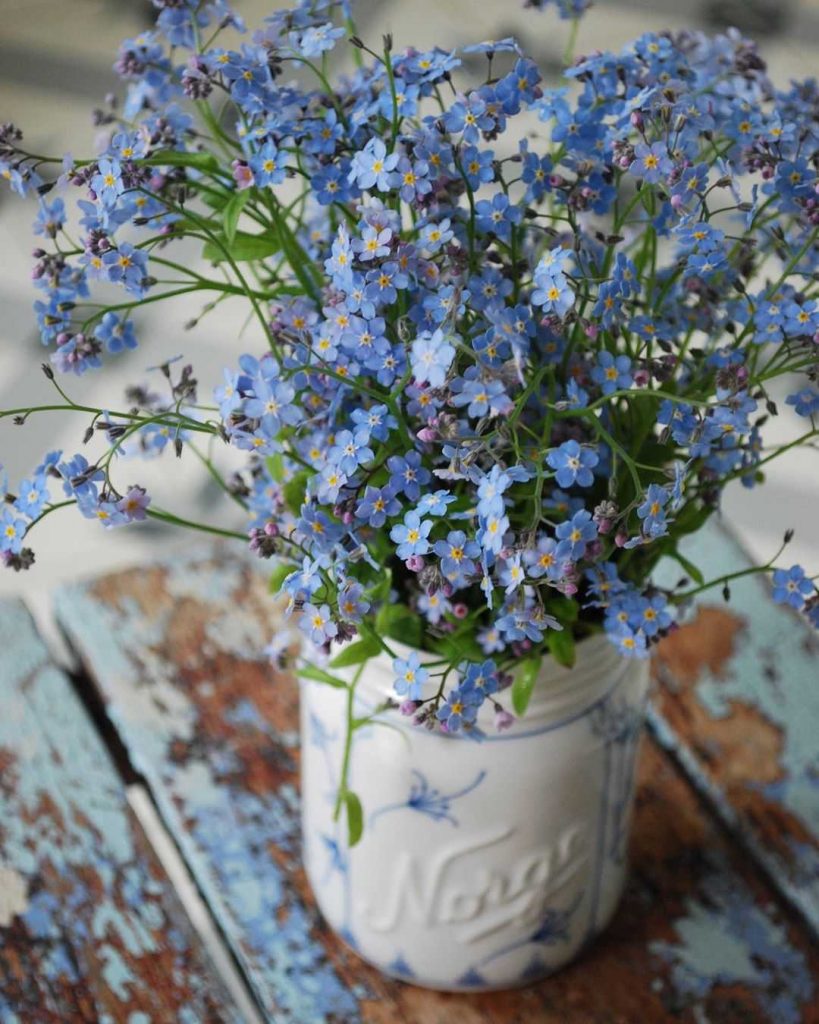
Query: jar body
{"points": [[484, 863]]}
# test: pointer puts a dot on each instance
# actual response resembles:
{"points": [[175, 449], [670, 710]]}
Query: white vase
{"points": [[487, 863]]}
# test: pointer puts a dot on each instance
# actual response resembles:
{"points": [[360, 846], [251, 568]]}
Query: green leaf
{"points": [[294, 491], [176, 158], [524, 683], [399, 623], [278, 576], [381, 590], [243, 247], [561, 646], [355, 817], [692, 518], [318, 675], [459, 647], [357, 652], [275, 466], [689, 567], [564, 609], [231, 214], [216, 199]]}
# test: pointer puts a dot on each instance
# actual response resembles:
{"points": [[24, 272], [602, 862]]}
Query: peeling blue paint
{"points": [[773, 670], [225, 831], [725, 939], [93, 909]]}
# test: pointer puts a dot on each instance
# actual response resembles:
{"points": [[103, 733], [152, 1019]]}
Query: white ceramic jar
{"points": [[484, 863]]}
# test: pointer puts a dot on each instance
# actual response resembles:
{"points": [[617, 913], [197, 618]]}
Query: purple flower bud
{"points": [[409, 707], [503, 719], [415, 563]]}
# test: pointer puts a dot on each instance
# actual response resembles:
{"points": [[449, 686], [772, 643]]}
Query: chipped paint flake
{"points": [[13, 894]]}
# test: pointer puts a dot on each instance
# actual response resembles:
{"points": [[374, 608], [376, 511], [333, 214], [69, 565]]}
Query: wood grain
{"points": [[738, 704], [90, 929], [174, 652]]}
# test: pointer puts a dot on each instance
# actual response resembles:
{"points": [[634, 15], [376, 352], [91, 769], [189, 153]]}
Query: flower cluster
{"points": [[505, 370]]}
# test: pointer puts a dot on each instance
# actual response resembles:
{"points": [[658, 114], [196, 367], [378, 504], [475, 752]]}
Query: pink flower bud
{"points": [[428, 433], [460, 610], [415, 563], [620, 538], [242, 175]]}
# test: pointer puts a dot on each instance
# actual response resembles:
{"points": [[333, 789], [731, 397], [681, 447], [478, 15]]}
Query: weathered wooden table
{"points": [[719, 922]]}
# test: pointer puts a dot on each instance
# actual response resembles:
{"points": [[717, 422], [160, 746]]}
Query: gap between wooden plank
{"points": [[194, 906], [139, 798]]}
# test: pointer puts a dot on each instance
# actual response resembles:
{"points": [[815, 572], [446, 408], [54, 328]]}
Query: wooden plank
{"points": [[175, 653], [738, 704], [89, 927]]}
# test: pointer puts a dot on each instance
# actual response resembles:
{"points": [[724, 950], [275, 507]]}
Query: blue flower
{"points": [[373, 244], [482, 677], [491, 488], [629, 642], [573, 464], [107, 182], [575, 535], [32, 496], [431, 358], [410, 676], [411, 535], [478, 166], [498, 215], [373, 166], [457, 554], [12, 532], [434, 503], [128, 266], [329, 483], [376, 504], [552, 289], [352, 606], [50, 218], [378, 420], [651, 163], [612, 373], [459, 709], [315, 40], [407, 475], [412, 179], [651, 511], [492, 530], [479, 396], [114, 333], [791, 586], [805, 402], [267, 166], [469, 116], [317, 623], [350, 450]]}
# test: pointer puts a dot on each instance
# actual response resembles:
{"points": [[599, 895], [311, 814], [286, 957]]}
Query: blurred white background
{"points": [[55, 66]]}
